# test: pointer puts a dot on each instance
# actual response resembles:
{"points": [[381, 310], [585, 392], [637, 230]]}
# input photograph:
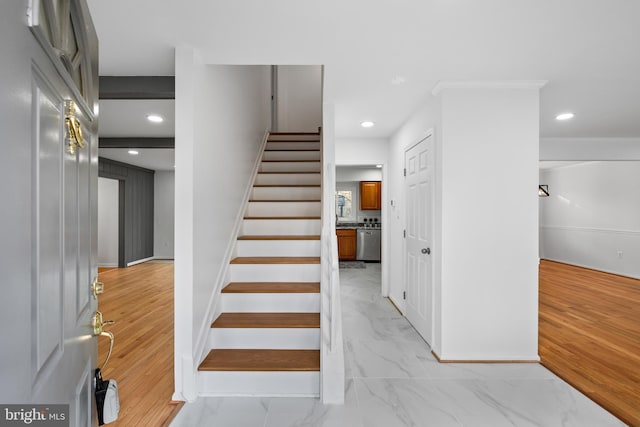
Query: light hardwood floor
{"points": [[140, 300], [589, 334]]}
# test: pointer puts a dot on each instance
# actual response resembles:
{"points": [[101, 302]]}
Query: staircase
{"points": [[266, 340]]}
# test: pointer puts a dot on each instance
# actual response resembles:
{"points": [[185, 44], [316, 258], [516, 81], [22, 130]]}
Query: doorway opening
{"points": [[360, 219]]}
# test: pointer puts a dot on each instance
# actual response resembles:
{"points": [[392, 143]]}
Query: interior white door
{"points": [[49, 237], [419, 266]]}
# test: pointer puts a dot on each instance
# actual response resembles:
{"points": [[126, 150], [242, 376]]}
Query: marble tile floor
{"points": [[393, 380]]}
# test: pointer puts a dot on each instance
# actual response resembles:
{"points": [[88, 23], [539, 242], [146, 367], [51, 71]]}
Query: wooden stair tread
{"points": [[279, 237], [286, 185], [284, 200], [267, 320], [261, 360], [288, 172], [290, 161], [282, 217], [294, 133], [294, 140], [272, 288], [290, 149], [276, 260]]}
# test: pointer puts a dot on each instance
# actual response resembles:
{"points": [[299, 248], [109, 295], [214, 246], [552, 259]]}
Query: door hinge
{"points": [[405, 171], [404, 233], [404, 295]]}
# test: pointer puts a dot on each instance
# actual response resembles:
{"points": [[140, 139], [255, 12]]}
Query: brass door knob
{"points": [[98, 324]]}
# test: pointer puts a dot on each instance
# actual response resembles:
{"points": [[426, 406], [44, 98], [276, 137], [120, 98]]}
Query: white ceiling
{"points": [[161, 159], [586, 49], [128, 118]]}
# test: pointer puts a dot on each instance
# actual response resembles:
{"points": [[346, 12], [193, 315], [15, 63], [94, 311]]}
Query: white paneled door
{"points": [[419, 265], [49, 349]]}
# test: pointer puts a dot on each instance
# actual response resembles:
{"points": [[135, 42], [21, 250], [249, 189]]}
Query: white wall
{"points": [[299, 98], [361, 151], [592, 216], [345, 173], [489, 176], [485, 225], [163, 214], [108, 202], [222, 114]]}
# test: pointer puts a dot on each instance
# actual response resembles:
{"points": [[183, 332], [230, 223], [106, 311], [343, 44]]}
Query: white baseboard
{"points": [[109, 264], [140, 261]]}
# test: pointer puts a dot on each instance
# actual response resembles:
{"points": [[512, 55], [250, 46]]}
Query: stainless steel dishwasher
{"points": [[368, 244]]}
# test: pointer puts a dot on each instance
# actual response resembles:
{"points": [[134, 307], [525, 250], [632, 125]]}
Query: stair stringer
{"points": [[214, 305]]}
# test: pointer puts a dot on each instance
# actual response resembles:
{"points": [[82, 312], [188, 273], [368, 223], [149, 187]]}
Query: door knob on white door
{"points": [[426, 251]]}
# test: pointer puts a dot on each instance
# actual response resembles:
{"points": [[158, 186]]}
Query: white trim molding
{"points": [[489, 84], [140, 261], [592, 229]]}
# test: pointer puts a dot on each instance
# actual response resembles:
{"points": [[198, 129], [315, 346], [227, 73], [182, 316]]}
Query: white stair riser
{"points": [[271, 209], [289, 166], [291, 155], [288, 179], [275, 273], [231, 383], [286, 227], [278, 248], [286, 193], [271, 303], [265, 338], [293, 146]]}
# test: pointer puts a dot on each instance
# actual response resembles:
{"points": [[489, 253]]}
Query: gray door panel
{"points": [[47, 251]]}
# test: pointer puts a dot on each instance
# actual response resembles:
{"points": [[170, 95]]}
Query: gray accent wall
{"points": [[135, 210], [164, 214]]}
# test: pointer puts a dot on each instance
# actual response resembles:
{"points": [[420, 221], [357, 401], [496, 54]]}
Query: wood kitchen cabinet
{"points": [[346, 244], [370, 195]]}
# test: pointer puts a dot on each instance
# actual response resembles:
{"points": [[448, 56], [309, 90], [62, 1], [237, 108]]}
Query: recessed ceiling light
{"points": [[155, 118], [565, 116], [366, 124], [378, 166], [133, 152]]}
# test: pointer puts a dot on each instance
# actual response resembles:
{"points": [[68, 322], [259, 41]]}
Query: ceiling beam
{"points": [[137, 87], [136, 142]]}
